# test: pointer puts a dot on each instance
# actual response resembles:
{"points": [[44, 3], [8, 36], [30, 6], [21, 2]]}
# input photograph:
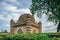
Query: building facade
{"points": [[25, 24]]}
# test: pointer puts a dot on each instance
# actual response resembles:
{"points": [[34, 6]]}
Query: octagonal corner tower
{"points": [[25, 24]]}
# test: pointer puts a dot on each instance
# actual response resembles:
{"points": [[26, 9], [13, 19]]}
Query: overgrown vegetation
{"points": [[37, 36]]}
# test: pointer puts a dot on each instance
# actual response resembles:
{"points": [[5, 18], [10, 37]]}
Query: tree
{"points": [[50, 7]]}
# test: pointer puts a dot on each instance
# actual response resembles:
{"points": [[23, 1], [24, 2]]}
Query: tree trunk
{"points": [[58, 28]]}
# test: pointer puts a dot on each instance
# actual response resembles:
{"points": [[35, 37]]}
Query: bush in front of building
{"points": [[30, 36]]}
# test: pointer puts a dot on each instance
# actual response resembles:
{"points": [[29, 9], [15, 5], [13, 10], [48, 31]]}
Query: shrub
{"points": [[30, 36]]}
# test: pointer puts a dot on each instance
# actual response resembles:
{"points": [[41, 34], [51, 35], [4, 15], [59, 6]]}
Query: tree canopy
{"points": [[50, 7]]}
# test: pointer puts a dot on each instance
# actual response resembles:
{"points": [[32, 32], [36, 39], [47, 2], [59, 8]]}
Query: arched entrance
{"points": [[20, 31]]}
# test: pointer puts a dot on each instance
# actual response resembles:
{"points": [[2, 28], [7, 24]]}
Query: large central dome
{"points": [[26, 17]]}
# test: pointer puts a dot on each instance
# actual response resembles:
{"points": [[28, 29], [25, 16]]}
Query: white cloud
{"points": [[15, 13], [24, 10], [12, 8], [1, 17], [46, 26], [11, 0], [5, 18]]}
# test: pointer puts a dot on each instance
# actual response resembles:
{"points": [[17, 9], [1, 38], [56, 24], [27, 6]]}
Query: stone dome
{"points": [[26, 17]]}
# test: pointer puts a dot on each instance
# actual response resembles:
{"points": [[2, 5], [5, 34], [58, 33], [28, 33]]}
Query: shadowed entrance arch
{"points": [[20, 31]]}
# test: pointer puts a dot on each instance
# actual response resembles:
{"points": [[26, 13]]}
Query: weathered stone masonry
{"points": [[25, 24]]}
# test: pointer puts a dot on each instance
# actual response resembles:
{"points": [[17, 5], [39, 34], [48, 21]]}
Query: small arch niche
{"points": [[20, 31]]}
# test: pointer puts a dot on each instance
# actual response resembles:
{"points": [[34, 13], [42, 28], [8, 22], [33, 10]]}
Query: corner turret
{"points": [[40, 25], [12, 23]]}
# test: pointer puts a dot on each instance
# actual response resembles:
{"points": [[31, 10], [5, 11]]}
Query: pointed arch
{"points": [[20, 31]]}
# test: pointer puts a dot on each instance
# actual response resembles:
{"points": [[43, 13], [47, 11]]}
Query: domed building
{"points": [[25, 24]]}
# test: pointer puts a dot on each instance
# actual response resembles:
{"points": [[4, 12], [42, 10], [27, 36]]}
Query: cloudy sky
{"points": [[12, 9]]}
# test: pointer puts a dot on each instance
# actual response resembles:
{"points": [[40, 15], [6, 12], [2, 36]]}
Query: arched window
{"points": [[20, 31], [34, 31]]}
